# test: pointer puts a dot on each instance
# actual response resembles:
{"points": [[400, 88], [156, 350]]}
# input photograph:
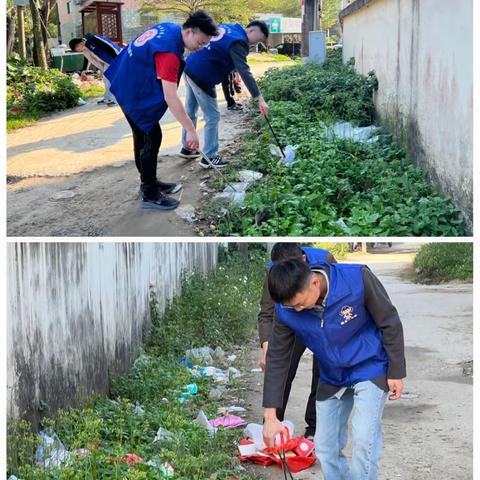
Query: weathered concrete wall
{"points": [[77, 311], [422, 53]]}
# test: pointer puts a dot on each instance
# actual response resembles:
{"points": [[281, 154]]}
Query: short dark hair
{"points": [[287, 278], [286, 251], [74, 42], [202, 21], [261, 25]]}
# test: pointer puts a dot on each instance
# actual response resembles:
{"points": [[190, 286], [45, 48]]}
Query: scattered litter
{"points": [[236, 409], [131, 459], [237, 187], [139, 410], [357, 134], [163, 435], [191, 389], [81, 102], [141, 361], [112, 402], [82, 452], [165, 400], [201, 356], [186, 212], [275, 150], [51, 452], [217, 374], [289, 154], [12, 477], [202, 420], [256, 370], [119, 164], [249, 176], [216, 393], [225, 198], [186, 362], [227, 421], [232, 358], [63, 195], [234, 372], [166, 470], [343, 225]]}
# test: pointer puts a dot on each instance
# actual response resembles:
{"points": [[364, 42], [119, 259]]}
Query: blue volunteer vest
{"points": [[102, 47], [212, 65], [133, 75], [345, 339], [315, 256]]}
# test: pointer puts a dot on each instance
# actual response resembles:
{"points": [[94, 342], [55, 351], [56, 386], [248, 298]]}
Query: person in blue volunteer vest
{"points": [[266, 320], [99, 51], [144, 80], [343, 314], [206, 69]]}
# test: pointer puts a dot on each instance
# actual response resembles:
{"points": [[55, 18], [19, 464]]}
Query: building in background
{"points": [[282, 29], [120, 20], [422, 54]]}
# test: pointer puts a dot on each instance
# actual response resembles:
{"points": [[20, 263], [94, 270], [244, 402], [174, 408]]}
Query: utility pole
{"points": [[310, 22]]}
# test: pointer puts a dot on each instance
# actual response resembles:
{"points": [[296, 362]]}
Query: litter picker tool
{"points": [[217, 170], [275, 136]]}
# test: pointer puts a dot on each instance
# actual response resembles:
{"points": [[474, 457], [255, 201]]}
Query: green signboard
{"points": [[275, 25]]}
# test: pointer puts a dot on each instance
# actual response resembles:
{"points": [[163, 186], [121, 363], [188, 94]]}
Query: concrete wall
{"points": [[76, 313], [422, 53]]}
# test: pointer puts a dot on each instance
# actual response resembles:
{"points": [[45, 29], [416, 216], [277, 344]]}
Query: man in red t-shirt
{"points": [[196, 33]]}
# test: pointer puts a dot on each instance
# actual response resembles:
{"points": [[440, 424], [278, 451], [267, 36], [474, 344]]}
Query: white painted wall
{"points": [[422, 53], [76, 312]]}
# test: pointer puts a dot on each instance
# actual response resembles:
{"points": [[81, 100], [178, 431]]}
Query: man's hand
{"points": [[83, 76], [192, 141], [272, 427], [263, 357], [263, 107], [396, 387]]}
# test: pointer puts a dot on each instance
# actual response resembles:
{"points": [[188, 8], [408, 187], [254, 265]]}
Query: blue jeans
{"points": [[195, 98], [367, 402]]}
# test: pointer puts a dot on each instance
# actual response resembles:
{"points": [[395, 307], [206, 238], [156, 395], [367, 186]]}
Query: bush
{"points": [[31, 89], [219, 309], [443, 262], [331, 92], [338, 250], [373, 188]]}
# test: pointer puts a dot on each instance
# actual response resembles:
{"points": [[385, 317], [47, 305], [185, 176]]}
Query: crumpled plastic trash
{"points": [[216, 393], [202, 420], [232, 358], [217, 374], [13, 477], [186, 362], [234, 372], [51, 451], [164, 435], [201, 356], [131, 459], [343, 225], [191, 389], [139, 410], [289, 154], [357, 134], [227, 421]]}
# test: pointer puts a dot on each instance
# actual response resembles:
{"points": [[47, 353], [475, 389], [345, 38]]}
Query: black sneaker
{"points": [[309, 433], [161, 203], [217, 160], [237, 106], [185, 153], [163, 187]]}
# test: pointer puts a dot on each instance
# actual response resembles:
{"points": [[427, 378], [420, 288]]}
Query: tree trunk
{"points": [[39, 44], [10, 32], [243, 250]]}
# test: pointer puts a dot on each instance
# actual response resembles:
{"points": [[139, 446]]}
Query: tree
{"points": [[40, 55], [11, 19], [330, 11]]}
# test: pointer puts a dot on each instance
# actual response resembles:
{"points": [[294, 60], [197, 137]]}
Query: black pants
{"points": [[310, 412], [146, 147], [229, 90]]}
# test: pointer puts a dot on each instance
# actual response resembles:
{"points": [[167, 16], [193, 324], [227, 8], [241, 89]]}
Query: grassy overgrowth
{"points": [[335, 186], [218, 309], [444, 262]]}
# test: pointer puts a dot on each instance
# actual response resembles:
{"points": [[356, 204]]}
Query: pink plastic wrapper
{"points": [[227, 421]]}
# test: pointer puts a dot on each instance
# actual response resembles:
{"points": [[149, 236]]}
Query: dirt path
{"points": [[73, 174], [427, 434]]}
